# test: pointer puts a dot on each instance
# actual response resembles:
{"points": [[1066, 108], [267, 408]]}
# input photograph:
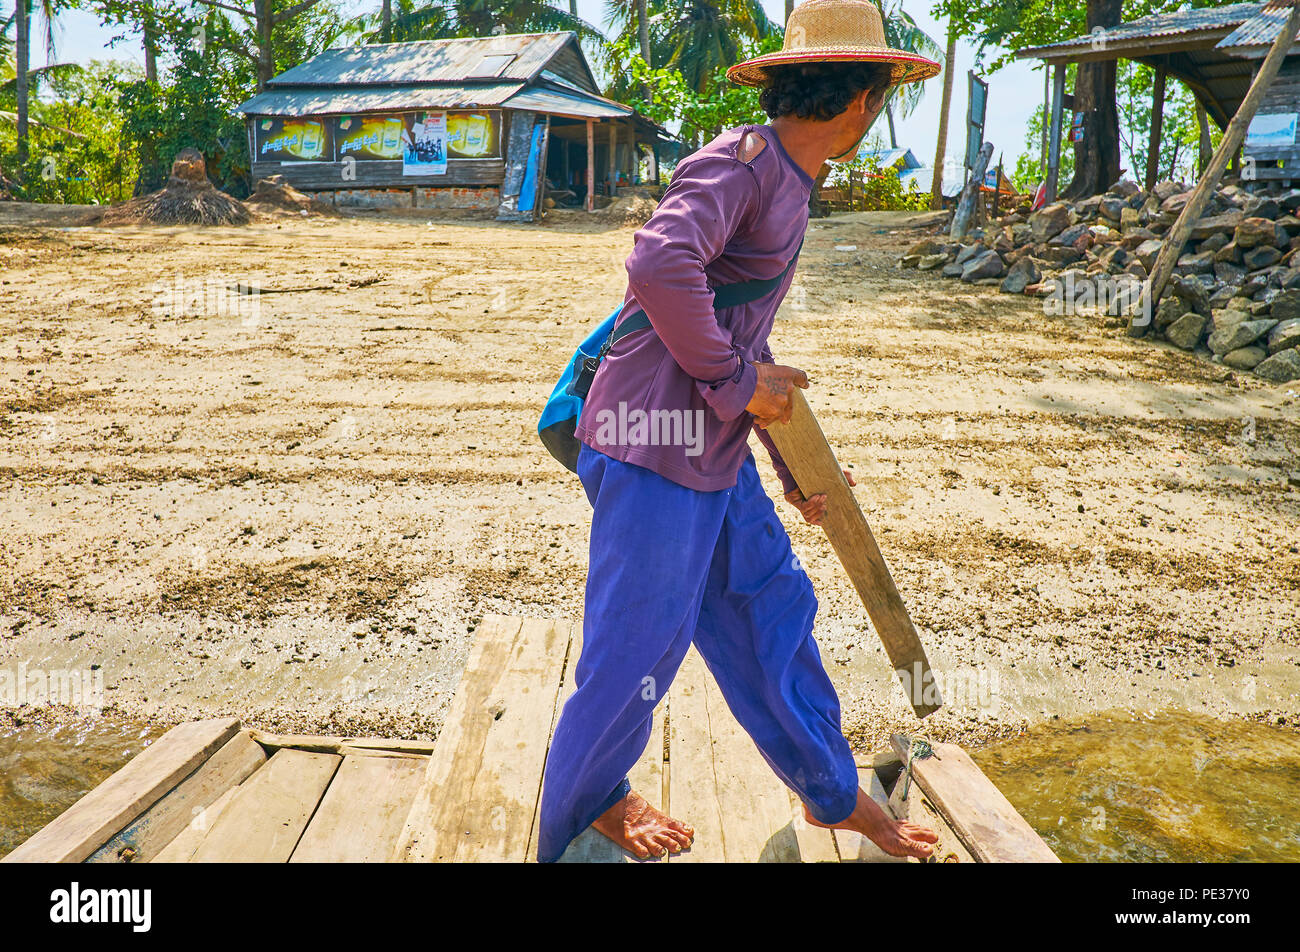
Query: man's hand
{"points": [[813, 509], [773, 396]]}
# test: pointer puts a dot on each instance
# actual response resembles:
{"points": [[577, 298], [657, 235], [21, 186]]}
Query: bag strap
{"points": [[724, 295]]}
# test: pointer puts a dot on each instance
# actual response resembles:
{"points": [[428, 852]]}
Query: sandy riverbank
{"points": [[299, 515]]}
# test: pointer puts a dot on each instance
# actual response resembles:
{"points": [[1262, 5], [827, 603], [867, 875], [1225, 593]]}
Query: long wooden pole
{"points": [[803, 446], [1054, 144], [591, 166], [1233, 136]]}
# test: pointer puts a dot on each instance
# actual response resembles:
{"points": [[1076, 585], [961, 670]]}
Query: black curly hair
{"points": [[818, 91]]}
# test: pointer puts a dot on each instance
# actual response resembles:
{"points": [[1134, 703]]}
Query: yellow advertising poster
{"points": [[369, 137], [293, 140], [474, 135]]}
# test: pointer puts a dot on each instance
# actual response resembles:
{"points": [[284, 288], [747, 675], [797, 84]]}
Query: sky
{"points": [[1014, 91]]}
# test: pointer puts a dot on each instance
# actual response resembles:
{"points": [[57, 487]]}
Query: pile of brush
{"points": [[188, 198]]}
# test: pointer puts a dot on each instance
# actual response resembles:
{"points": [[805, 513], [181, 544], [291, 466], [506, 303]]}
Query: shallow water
{"points": [[1170, 787], [43, 771]]}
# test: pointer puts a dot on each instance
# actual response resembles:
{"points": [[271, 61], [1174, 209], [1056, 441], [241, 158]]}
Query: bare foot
{"points": [[895, 837], [642, 830]]}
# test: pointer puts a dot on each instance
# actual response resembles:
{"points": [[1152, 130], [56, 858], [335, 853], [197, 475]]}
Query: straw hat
{"points": [[830, 31]]}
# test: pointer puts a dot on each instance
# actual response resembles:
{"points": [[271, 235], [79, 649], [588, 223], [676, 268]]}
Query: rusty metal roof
{"points": [[1254, 36], [517, 56], [1173, 23], [565, 102], [325, 100]]}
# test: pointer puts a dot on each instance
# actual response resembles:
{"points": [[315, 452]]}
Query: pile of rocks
{"points": [[1235, 294]]}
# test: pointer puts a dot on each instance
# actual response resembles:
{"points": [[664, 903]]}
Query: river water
{"points": [[1110, 788], [1169, 787]]}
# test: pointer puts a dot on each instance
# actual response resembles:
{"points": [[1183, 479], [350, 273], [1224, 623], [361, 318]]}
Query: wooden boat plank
{"points": [[181, 849], [504, 792], [854, 847], [757, 816], [816, 845], [270, 810], [480, 793], [692, 789], [141, 783], [145, 837], [567, 687], [917, 808], [345, 746], [362, 812], [984, 820]]}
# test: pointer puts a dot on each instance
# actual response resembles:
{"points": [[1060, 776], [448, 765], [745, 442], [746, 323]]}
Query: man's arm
{"points": [[703, 207]]}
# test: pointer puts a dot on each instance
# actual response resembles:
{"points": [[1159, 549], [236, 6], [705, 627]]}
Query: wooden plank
{"points": [[856, 848], [815, 844], [692, 785], [381, 173], [145, 837], [591, 165], [1054, 149], [812, 462], [362, 812], [917, 808], [757, 818], [985, 821], [961, 217], [181, 849], [1153, 141], [265, 819], [88, 823], [344, 746], [479, 796]]}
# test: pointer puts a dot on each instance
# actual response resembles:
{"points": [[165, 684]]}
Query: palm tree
{"points": [[441, 19], [23, 9], [695, 37], [902, 33], [941, 145]]}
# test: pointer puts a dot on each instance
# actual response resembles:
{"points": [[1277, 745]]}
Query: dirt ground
{"points": [[296, 508]]}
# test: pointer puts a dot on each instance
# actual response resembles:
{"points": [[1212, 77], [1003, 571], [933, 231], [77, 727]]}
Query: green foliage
{"points": [[675, 102], [194, 108], [76, 154], [875, 188]]}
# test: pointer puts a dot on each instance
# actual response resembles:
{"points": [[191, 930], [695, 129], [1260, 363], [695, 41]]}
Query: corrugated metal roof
{"points": [[428, 61], [1160, 24], [319, 100], [888, 157], [566, 103], [1260, 30]]}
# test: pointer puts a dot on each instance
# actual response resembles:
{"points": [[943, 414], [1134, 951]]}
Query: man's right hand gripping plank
{"points": [[686, 547]]}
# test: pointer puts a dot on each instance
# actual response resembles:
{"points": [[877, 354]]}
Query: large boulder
{"points": [[1244, 358], [1187, 331], [1049, 221], [1147, 252], [1235, 336], [1217, 224], [1169, 310], [1192, 293], [1252, 232], [1262, 256], [1284, 336], [1022, 274], [1282, 367], [987, 264], [1286, 305]]}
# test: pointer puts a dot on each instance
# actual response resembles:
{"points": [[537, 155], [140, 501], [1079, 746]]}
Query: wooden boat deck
{"points": [[212, 791]]}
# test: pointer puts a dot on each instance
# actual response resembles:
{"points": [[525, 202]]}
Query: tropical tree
{"points": [[24, 13], [902, 33], [441, 19]]}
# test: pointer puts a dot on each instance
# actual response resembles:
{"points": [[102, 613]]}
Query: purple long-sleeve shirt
{"points": [[673, 399]]}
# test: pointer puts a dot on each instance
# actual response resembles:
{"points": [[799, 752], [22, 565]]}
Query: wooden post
{"points": [[803, 446], [1204, 147], [1232, 139], [970, 194], [1157, 120], [655, 149], [613, 159], [1054, 142], [591, 165]]}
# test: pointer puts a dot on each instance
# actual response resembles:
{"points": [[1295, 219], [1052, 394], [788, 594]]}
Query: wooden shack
{"points": [[481, 122], [1215, 52]]}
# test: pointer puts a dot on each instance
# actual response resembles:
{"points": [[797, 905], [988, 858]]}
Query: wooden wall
{"points": [[315, 176]]}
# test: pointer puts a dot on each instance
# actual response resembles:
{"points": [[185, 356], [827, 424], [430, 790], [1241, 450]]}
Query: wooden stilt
{"points": [[1054, 143], [591, 165], [1157, 121]]}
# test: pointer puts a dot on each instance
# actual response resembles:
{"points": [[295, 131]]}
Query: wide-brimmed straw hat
{"points": [[836, 31]]}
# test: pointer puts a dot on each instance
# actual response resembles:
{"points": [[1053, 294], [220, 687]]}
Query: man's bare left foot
{"points": [[642, 830], [895, 837]]}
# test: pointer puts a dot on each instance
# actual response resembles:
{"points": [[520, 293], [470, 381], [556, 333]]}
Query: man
{"points": [[685, 545]]}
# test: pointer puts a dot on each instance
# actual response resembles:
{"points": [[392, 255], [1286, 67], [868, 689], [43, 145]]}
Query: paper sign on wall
{"points": [[425, 138]]}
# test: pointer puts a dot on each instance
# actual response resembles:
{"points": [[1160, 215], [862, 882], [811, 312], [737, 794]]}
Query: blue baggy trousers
{"points": [[670, 566]]}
